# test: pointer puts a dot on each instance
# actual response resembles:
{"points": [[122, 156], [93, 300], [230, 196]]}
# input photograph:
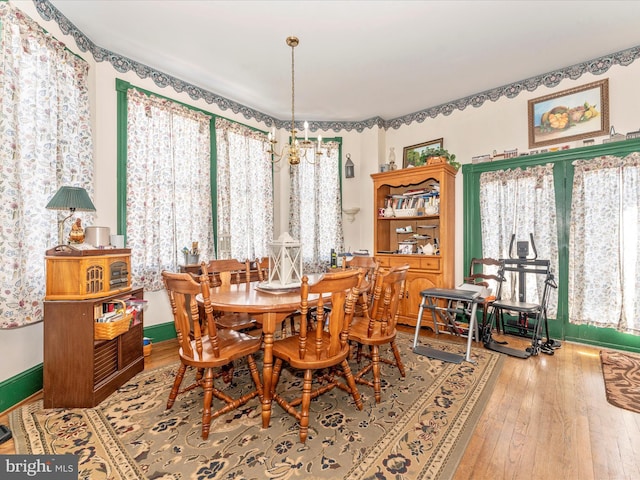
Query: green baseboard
{"points": [[159, 333], [15, 389]]}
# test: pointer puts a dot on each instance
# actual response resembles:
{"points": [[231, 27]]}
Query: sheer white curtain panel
{"points": [[45, 143], [168, 186], [244, 190], [315, 206], [604, 243], [520, 202]]}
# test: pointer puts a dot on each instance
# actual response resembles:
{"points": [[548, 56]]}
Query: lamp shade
{"points": [[71, 198]]}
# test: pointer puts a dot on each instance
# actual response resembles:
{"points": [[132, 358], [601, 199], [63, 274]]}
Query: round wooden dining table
{"points": [[274, 305]]}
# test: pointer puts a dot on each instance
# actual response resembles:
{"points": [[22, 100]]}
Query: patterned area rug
{"points": [[621, 379], [418, 431]]}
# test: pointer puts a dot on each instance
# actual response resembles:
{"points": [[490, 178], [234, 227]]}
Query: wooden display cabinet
{"points": [[413, 190], [80, 371]]}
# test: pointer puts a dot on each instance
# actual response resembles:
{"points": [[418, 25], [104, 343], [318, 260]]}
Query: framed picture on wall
{"points": [[415, 155], [574, 114]]}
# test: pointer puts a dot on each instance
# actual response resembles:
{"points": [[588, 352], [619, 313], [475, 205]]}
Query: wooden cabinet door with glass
{"points": [[414, 223]]}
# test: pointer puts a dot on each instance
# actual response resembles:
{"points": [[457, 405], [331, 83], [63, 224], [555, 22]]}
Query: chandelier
{"points": [[296, 149]]}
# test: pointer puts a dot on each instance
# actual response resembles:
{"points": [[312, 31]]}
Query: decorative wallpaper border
{"points": [[122, 64]]}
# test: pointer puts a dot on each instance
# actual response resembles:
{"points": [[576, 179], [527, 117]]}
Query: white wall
{"points": [[496, 125]]}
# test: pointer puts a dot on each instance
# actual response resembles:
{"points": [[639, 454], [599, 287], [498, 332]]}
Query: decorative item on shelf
{"points": [[76, 235], [351, 213], [72, 199], [635, 134], [285, 262], [431, 209], [415, 155], [405, 212], [191, 257], [426, 249], [407, 247], [481, 158], [349, 170], [511, 153], [392, 158], [614, 137], [98, 237], [116, 241], [436, 156], [296, 149]]}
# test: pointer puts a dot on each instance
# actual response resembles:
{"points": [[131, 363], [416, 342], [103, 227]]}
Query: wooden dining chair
{"points": [[378, 327], [207, 350], [371, 266], [224, 273], [261, 267], [321, 348], [484, 271]]}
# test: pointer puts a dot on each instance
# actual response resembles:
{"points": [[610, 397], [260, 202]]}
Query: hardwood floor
{"points": [[548, 418]]}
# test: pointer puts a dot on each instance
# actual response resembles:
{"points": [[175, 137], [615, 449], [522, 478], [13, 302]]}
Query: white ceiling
{"points": [[356, 59]]}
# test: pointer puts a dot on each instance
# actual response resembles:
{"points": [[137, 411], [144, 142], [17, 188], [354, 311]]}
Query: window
{"points": [[182, 181], [521, 203], [168, 188], [45, 142], [244, 191], [316, 207], [604, 243]]}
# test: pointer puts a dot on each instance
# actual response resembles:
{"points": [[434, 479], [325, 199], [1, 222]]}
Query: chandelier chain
{"points": [[296, 148]]}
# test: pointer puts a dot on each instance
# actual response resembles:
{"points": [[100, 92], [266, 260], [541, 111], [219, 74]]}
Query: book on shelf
{"points": [[113, 310], [110, 317]]}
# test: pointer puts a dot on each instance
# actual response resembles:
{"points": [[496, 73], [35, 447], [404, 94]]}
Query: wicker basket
{"points": [[110, 330]]}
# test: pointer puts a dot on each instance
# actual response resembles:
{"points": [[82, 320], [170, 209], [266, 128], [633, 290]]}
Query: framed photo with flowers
{"points": [[573, 114]]}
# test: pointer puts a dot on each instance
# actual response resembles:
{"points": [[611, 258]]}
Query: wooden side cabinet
{"points": [[414, 207], [80, 371]]}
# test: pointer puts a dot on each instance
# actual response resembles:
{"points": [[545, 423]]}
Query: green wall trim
{"points": [[160, 333], [563, 180], [608, 346], [22, 386]]}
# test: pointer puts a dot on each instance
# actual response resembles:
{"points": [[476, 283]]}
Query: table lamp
{"points": [[72, 199]]}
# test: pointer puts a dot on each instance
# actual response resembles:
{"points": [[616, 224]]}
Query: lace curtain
{"points": [[520, 202], [315, 208], [244, 190], [168, 186], [45, 142], [604, 243]]}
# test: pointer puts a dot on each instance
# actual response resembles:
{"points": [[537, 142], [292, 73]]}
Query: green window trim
{"points": [[563, 181]]}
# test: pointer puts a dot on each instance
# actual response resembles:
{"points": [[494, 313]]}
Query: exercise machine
{"points": [[523, 266]]}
